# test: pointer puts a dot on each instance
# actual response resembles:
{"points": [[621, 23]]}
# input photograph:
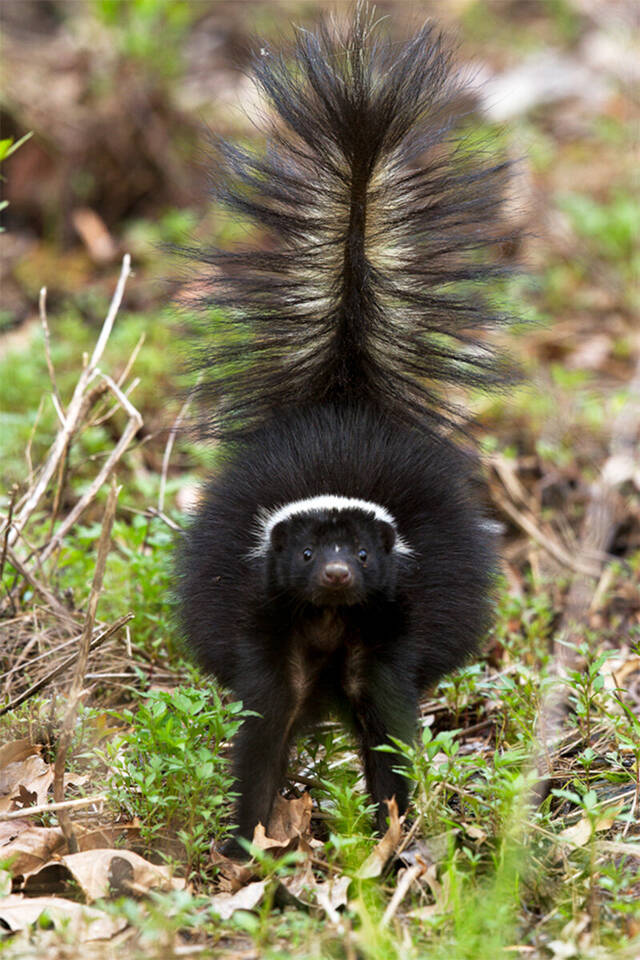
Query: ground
{"points": [[522, 838]]}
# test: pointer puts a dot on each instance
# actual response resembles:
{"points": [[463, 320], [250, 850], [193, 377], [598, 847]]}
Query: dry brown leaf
{"points": [[332, 894], [226, 904], [302, 890], [97, 838], [384, 850], [14, 752], [300, 881], [476, 833], [290, 818], [233, 875], [32, 849], [11, 829], [80, 923], [104, 873], [578, 834], [26, 781], [264, 842]]}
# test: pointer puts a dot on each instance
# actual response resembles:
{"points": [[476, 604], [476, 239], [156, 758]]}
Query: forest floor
{"points": [[114, 773]]}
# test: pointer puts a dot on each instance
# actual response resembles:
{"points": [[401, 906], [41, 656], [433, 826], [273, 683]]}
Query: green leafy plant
{"points": [[170, 769], [586, 686]]}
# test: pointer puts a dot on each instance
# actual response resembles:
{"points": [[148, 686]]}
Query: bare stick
{"points": [[47, 807], [167, 450], [32, 433], [42, 303], [90, 398], [64, 666], [130, 362], [50, 598], [408, 877], [60, 443], [5, 539], [152, 512], [133, 425], [68, 724], [102, 418], [105, 333]]}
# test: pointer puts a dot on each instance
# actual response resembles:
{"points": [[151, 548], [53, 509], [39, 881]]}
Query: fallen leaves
{"points": [[24, 776], [384, 850], [289, 831], [103, 874], [32, 848], [290, 819], [247, 898], [81, 923], [37, 860]]}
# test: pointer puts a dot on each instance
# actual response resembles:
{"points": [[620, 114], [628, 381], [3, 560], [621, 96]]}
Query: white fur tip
{"points": [[266, 520]]}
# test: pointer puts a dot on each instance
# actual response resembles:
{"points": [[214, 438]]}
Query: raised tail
{"points": [[367, 285]]}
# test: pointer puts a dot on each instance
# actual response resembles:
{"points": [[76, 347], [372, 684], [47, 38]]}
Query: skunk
{"points": [[339, 561]]}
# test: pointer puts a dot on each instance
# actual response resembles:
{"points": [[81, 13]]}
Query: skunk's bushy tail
{"points": [[366, 287]]}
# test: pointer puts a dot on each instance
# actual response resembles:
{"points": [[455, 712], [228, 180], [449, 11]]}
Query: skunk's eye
{"points": [[307, 554], [362, 555]]}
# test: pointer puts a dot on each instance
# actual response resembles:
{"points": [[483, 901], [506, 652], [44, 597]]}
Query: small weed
{"points": [[586, 684], [170, 769]]}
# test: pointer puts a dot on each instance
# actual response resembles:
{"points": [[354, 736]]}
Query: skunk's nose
{"points": [[337, 574]]}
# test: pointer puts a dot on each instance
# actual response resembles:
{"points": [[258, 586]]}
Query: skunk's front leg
{"points": [[386, 707], [260, 755]]}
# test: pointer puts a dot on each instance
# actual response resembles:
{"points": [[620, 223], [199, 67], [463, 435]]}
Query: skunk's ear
{"points": [[387, 535], [278, 537]]}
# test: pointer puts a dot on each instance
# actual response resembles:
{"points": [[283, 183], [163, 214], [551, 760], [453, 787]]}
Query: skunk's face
{"points": [[332, 558]]}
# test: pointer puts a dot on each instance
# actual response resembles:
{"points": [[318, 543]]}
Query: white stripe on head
{"points": [[268, 519]]}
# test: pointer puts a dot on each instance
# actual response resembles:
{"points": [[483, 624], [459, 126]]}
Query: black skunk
{"points": [[339, 560]]}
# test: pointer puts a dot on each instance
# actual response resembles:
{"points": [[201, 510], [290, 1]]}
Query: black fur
{"points": [[324, 380]]}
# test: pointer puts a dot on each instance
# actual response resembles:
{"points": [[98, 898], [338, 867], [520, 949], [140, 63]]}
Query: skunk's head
{"points": [[331, 557]]}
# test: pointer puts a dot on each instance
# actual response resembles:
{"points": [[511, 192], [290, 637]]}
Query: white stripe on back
{"points": [[268, 519]]}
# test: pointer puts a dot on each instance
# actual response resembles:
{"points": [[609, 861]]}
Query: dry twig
{"points": [[133, 425], [39, 808], [64, 666], [405, 881], [68, 725], [57, 402], [59, 446], [167, 451]]}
